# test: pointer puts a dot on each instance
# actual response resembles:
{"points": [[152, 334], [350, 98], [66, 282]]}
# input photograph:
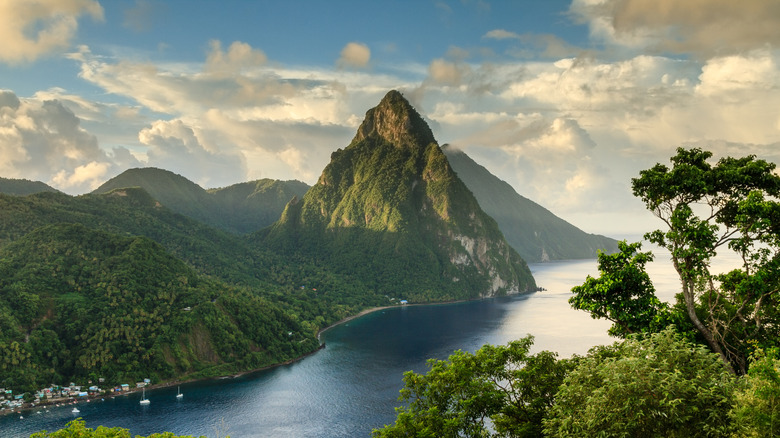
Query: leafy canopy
{"points": [[756, 410], [655, 385], [497, 391]]}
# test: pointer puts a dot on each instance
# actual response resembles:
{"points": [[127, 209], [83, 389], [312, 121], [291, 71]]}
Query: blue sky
{"points": [[564, 100]]}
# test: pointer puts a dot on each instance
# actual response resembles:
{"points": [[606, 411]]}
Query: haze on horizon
{"points": [[564, 100]]}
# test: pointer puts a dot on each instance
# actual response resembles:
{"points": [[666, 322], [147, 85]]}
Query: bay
{"points": [[351, 386]]}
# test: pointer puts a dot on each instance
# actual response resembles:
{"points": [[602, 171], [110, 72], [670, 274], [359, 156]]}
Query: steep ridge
{"points": [[389, 207], [535, 232]]}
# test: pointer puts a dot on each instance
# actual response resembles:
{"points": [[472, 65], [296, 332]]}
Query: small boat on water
{"points": [[144, 400], [179, 395], [75, 410]]}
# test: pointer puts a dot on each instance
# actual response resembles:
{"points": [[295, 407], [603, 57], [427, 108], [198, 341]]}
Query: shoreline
{"points": [[170, 383], [363, 312]]}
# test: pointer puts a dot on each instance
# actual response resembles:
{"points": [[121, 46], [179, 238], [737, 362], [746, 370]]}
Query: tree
{"points": [[650, 385], [707, 208], [623, 293], [462, 396]]}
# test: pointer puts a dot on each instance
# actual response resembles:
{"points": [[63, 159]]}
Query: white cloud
{"points": [[240, 80], [356, 55], [31, 29], [89, 175], [43, 140], [175, 146], [635, 85], [729, 76], [278, 122], [549, 159], [570, 134]]}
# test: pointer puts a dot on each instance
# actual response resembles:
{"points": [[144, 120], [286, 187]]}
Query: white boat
{"points": [[75, 410], [144, 400], [179, 395]]}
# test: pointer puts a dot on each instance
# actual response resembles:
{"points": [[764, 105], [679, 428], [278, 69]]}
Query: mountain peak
{"points": [[389, 205], [396, 121]]}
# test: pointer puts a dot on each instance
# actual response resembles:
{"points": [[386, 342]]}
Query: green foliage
{"points": [[82, 299], [756, 411], [623, 293], [656, 385], [94, 303], [78, 429], [502, 386]]}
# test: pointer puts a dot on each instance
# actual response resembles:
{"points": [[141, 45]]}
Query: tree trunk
{"points": [[689, 294]]}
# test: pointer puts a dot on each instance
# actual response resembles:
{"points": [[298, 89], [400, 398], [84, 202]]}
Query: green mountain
{"points": [[23, 187], [240, 208], [389, 209], [77, 302], [532, 230]]}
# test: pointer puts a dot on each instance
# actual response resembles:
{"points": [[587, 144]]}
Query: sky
{"points": [[564, 100]]}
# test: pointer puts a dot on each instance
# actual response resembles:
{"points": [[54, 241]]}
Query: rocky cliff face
{"points": [[393, 192], [395, 121]]}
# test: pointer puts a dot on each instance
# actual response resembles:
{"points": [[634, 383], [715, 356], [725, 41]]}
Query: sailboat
{"points": [[144, 400], [179, 395]]}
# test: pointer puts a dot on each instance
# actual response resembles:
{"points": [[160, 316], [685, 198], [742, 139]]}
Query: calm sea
{"points": [[351, 386]]}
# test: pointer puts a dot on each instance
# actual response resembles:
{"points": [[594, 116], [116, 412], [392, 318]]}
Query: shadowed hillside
{"points": [[532, 230]]}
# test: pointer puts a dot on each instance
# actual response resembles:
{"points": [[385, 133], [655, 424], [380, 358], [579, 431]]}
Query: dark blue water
{"points": [[351, 386]]}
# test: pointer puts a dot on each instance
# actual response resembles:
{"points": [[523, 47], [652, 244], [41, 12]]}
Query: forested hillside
{"points": [[81, 303]]}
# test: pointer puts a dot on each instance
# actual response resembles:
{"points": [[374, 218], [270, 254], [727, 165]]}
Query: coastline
{"points": [[170, 383], [363, 312]]}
